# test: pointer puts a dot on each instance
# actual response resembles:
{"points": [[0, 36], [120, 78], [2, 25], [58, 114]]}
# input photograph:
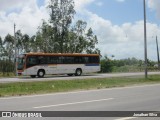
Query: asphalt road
{"points": [[136, 98], [64, 77]]}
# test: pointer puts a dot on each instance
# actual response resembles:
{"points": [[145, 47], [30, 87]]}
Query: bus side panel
{"points": [[89, 68], [31, 71], [52, 69], [69, 68]]}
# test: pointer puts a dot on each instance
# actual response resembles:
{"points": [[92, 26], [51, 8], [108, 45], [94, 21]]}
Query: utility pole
{"points": [[157, 53], [145, 40], [15, 48]]}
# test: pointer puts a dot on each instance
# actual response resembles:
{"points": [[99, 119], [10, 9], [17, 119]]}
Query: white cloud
{"points": [[12, 4], [123, 41], [99, 4], [126, 40], [27, 19], [154, 5], [81, 4], [120, 0]]}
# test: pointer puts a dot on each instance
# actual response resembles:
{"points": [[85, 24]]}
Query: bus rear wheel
{"points": [[78, 72], [41, 73]]}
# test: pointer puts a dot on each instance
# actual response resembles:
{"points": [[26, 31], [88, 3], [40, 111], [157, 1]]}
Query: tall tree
{"points": [[26, 43], [62, 12], [91, 42], [33, 46], [80, 41], [44, 39], [19, 41], [9, 45], [83, 40], [23, 42], [1, 47]]}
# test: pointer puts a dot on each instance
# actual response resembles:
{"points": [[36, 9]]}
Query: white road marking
{"points": [[126, 118], [73, 103]]}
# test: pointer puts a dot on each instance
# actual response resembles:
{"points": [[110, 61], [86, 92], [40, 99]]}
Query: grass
{"points": [[7, 74], [28, 88], [132, 68]]}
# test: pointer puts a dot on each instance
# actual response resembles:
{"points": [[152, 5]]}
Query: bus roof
{"points": [[60, 54]]}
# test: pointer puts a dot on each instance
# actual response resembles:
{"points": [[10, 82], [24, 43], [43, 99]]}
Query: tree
{"points": [[32, 44], [106, 65], [25, 43], [1, 47], [62, 12], [9, 45], [91, 42], [19, 41], [44, 38], [78, 42]]}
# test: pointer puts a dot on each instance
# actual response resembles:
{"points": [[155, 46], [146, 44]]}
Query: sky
{"points": [[118, 24]]}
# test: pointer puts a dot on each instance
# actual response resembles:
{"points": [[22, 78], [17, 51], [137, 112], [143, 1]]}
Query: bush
{"points": [[6, 67]]}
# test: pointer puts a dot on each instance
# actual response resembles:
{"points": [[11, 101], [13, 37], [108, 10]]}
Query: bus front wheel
{"points": [[78, 72], [41, 73]]}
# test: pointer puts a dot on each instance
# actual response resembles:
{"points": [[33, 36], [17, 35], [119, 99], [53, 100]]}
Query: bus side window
{"points": [[31, 61], [86, 59], [68, 60], [60, 60], [94, 59], [78, 60], [52, 60], [42, 60], [49, 60]]}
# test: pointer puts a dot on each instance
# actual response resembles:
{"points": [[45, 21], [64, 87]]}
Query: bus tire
{"points": [[41, 73], [78, 72], [33, 76]]}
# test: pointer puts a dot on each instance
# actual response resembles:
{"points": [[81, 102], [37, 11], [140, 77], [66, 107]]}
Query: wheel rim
{"points": [[41, 73], [78, 72]]}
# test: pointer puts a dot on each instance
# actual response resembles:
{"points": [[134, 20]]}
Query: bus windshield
{"points": [[21, 61]]}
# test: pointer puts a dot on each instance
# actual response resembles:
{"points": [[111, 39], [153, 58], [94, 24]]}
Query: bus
{"points": [[40, 64]]}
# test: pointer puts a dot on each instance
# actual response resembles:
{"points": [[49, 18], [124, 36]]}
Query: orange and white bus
{"points": [[40, 64]]}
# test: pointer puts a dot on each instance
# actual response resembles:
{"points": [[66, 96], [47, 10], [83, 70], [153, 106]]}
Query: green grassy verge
{"points": [[7, 74], [28, 88]]}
